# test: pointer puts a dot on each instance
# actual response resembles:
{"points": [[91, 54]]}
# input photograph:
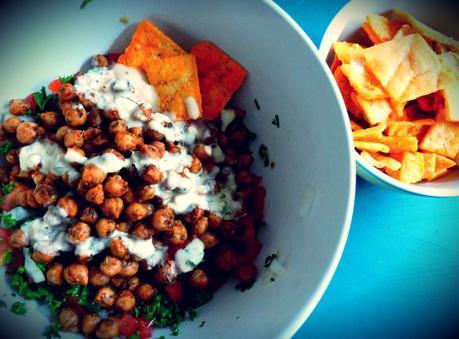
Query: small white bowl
{"points": [[441, 15], [310, 191]]}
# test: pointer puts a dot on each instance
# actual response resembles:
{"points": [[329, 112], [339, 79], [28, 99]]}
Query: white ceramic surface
{"points": [[311, 189], [441, 15]]}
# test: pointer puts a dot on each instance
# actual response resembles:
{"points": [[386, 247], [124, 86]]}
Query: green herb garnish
{"points": [[8, 257], [52, 331], [66, 79], [19, 308], [8, 188], [162, 337], [6, 146], [41, 98], [124, 20], [9, 222], [136, 335], [269, 259], [264, 154], [85, 3], [275, 121]]}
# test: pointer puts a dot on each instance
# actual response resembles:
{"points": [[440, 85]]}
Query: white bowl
{"points": [[311, 189], [441, 15]]}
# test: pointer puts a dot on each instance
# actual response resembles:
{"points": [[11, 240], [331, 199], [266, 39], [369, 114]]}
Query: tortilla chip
{"points": [[400, 144], [369, 134], [429, 165], [426, 31], [371, 146], [374, 111], [451, 102], [379, 28], [148, 43], [406, 128], [393, 174], [412, 170], [346, 51], [346, 91], [442, 138], [355, 126], [404, 30], [364, 83], [442, 165], [176, 81], [407, 68], [381, 161]]}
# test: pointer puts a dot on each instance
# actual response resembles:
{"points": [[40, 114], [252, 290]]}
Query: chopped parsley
{"points": [[136, 335], [3, 304], [8, 257], [264, 154], [6, 146], [275, 121], [19, 308], [269, 259], [8, 221], [85, 3], [257, 105], [124, 20], [41, 266], [41, 98], [8, 188], [20, 285], [83, 294], [52, 331], [202, 323], [66, 79], [244, 285], [162, 337]]}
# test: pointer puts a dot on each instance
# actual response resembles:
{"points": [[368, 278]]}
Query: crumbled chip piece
{"points": [[369, 134], [380, 29], [442, 138], [406, 128], [371, 146], [381, 161], [412, 170]]}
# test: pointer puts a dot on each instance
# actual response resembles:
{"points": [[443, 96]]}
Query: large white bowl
{"points": [[311, 189], [441, 15]]}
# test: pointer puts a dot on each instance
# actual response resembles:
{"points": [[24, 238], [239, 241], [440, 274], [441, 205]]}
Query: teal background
{"points": [[399, 274]]}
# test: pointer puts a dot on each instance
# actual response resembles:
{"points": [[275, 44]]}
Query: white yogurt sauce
{"points": [[227, 116], [73, 156], [192, 108], [119, 87], [31, 267], [108, 162], [186, 259]]}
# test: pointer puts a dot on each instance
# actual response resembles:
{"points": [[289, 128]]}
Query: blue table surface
{"points": [[399, 274]]}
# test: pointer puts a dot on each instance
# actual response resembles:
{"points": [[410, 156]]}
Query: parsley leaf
{"points": [[124, 20], [9, 222], [8, 257], [136, 335], [52, 331], [73, 291], [269, 259], [6, 146], [162, 337], [19, 308], [3, 304], [54, 304], [8, 188], [41, 98], [84, 3], [66, 79]]}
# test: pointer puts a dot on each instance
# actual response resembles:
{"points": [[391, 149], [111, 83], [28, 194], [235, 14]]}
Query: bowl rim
{"points": [[419, 189], [309, 306]]}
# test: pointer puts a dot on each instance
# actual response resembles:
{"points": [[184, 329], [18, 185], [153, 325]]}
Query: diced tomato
{"points": [[171, 250], [18, 260], [128, 325], [252, 248], [31, 100], [145, 329], [5, 235], [113, 57], [10, 200], [175, 291], [55, 85], [258, 202]]}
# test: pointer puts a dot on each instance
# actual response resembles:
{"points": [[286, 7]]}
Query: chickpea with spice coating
{"points": [[92, 175], [69, 205], [115, 186], [18, 239], [105, 297], [11, 124], [78, 232], [163, 219], [89, 323], [95, 195], [118, 249], [126, 141], [97, 278], [95, 117], [145, 292], [133, 283], [73, 137], [199, 279], [76, 274], [50, 120], [145, 193], [45, 194], [177, 234], [61, 132], [69, 320], [67, 92], [125, 301], [128, 197], [209, 239], [112, 207], [55, 275], [42, 257], [129, 268], [110, 266], [74, 114], [137, 211], [89, 215], [166, 273], [141, 231], [108, 328], [27, 132], [100, 60], [117, 126], [19, 106], [31, 202], [196, 165], [12, 156], [104, 227], [152, 175]]}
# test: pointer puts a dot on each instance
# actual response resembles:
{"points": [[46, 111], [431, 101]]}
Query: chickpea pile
{"points": [[125, 201]]}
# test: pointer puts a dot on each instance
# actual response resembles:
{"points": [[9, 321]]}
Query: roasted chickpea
{"points": [[105, 297], [173, 147], [11, 124], [112, 207], [19, 106], [55, 275], [51, 179], [196, 165], [177, 234], [163, 219], [73, 137], [101, 140], [137, 211], [111, 266], [209, 239], [133, 283], [118, 282], [145, 193], [166, 273], [108, 328], [196, 214], [74, 114], [104, 227], [141, 231], [21, 196], [18, 239], [78, 232], [100, 60], [92, 175], [126, 141], [128, 197], [115, 186], [123, 226], [31, 202], [202, 152], [89, 323], [69, 205], [246, 272], [145, 292], [91, 133], [68, 318], [12, 156], [95, 195], [200, 226], [118, 249], [129, 268], [117, 126], [50, 120], [95, 117], [27, 132], [214, 220], [67, 92], [112, 114], [137, 131], [226, 258], [97, 278], [155, 150], [89, 215], [45, 194], [152, 175], [37, 177], [76, 274], [199, 279], [42, 257], [61, 132], [125, 301]]}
